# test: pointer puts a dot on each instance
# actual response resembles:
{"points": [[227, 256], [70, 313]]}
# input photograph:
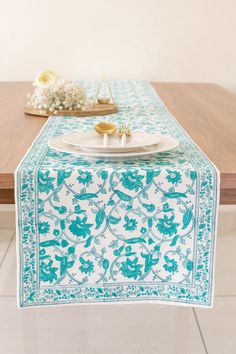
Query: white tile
{"points": [[227, 218], [5, 239], [225, 282], [218, 326], [98, 329], [7, 216], [8, 272]]}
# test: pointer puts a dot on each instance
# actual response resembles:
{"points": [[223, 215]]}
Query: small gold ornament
{"points": [[124, 129], [105, 128], [104, 94], [103, 100]]}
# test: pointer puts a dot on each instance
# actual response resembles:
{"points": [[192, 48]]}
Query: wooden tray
{"points": [[98, 110]]}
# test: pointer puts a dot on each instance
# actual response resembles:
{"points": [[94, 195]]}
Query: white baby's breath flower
{"points": [[59, 95]]}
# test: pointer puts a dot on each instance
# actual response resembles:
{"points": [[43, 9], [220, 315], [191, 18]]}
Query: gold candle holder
{"points": [[103, 100]]}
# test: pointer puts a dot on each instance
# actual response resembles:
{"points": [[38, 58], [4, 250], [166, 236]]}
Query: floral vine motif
{"points": [[134, 263]]}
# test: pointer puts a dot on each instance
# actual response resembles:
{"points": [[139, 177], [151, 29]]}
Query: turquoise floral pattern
{"points": [[173, 177], [48, 272], [149, 207], [80, 227], [44, 227], [86, 267], [132, 180], [170, 265], [45, 182], [131, 224], [97, 230], [84, 177], [167, 226], [131, 268], [189, 265]]}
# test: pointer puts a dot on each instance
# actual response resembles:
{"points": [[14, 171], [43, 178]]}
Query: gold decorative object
{"points": [[124, 129], [124, 132], [104, 93], [103, 100], [105, 129]]}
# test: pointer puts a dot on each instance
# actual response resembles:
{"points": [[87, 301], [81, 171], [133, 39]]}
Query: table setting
{"points": [[91, 144], [115, 208]]}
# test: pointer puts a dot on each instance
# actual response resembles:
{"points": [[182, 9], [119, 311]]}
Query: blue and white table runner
{"points": [[102, 231]]}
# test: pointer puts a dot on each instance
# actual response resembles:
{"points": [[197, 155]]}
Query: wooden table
{"points": [[206, 111]]}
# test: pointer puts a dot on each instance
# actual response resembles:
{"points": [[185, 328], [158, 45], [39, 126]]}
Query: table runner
{"points": [[104, 231]]}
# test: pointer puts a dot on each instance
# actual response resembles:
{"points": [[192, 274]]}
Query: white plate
{"points": [[166, 143], [94, 141]]}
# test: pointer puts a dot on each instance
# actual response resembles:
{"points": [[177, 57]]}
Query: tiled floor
{"points": [[132, 329]]}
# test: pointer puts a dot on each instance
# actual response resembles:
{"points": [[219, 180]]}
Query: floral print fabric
{"points": [[96, 230]]}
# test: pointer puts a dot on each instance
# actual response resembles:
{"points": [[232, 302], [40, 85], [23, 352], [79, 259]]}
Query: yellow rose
{"points": [[46, 77]]}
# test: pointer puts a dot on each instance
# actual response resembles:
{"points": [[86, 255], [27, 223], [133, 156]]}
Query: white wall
{"points": [[164, 40]]}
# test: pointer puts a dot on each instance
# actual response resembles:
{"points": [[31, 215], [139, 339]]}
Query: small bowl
{"points": [[103, 100]]}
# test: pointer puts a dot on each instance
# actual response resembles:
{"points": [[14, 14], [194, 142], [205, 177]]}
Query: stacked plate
{"points": [[91, 144]]}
